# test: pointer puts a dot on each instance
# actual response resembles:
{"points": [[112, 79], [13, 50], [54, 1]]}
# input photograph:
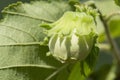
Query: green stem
{"points": [[57, 71]]}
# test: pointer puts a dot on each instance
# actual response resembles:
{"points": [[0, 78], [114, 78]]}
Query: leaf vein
{"points": [[22, 44], [21, 31], [8, 37], [27, 65], [20, 14]]}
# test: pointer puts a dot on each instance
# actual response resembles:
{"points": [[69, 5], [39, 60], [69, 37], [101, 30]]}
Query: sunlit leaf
{"points": [[23, 56]]}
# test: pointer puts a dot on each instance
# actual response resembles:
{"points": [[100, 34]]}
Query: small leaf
{"points": [[75, 73], [92, 57], [85, 70]]}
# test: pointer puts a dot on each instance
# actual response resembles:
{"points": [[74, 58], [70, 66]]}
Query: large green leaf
{"points": [[23, 57]]}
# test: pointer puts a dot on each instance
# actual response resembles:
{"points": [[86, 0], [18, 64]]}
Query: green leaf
{"points": [[75, 73], [24, 73], [92, 57], [23, 57], [117, 2]]}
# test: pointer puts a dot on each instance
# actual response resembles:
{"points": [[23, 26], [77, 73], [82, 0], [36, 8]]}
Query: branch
{"points": [[111, 41]]}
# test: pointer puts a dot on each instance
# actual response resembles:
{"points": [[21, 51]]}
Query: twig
{"points": [[112, 15], [111, 41]]}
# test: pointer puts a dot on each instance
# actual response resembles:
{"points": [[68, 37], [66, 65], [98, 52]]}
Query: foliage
{"points": [[24, 42]]}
